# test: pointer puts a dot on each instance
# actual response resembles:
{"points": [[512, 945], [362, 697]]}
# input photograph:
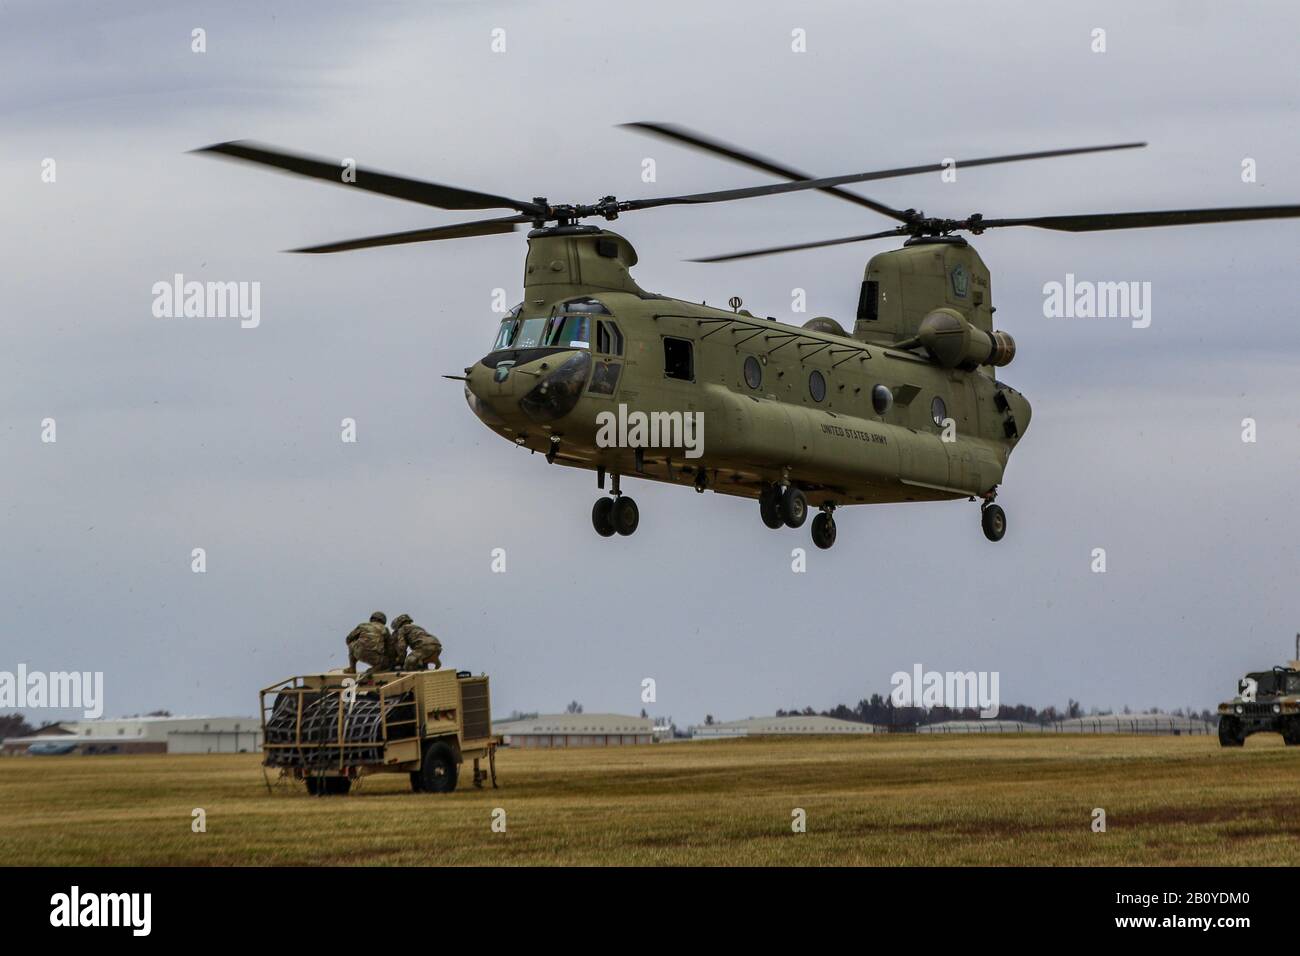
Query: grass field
{"points": [[873, 800]]}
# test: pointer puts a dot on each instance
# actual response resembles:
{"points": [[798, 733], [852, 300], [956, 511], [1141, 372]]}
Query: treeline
{"points": [[881, 710]]}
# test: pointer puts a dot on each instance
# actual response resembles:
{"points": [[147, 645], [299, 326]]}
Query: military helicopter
{"points": [[594, 372]]}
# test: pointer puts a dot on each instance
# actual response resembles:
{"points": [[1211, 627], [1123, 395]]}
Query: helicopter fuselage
{"points": [[601, 375]]}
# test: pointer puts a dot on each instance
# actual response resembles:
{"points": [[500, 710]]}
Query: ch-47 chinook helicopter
{"points": [[597, 373]]}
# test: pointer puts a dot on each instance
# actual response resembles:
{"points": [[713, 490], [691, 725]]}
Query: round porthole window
{"points": [[882, 399], [753, 372], [938, 410], [817, 386]]}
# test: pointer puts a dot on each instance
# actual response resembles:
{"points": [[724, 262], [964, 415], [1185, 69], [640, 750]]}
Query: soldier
{"points": [[369, 643], [424, 646]]}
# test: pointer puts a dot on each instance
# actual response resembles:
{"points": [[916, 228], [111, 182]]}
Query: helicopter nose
{"points": [[556, 395], [543, 391]]}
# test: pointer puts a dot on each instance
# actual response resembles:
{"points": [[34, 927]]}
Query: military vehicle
{"points": [[902, 404], [330, 729], [1266, 701]]}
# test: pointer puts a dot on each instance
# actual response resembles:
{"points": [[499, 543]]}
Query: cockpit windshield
{"points": [[518, 333], [568, 331]]}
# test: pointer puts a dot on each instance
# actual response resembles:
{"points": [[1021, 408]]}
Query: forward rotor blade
{"points": [[802, 245], [1093, 222], [387, 184], [679, 134], [483, 227], [724, 195]]}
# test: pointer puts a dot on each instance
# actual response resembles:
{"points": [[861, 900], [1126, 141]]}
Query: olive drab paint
{"points": [[839, 450]]}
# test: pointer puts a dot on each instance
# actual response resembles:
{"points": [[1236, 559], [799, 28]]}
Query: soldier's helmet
{"points": [[401, 621], [379, 617]]}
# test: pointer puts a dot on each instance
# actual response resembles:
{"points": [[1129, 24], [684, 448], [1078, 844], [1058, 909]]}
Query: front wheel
{"points": [[602, 518], [625, 515], [794, 507], [1230, 734]]}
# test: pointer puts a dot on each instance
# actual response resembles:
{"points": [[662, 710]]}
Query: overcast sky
{"points": [[175, 434]]}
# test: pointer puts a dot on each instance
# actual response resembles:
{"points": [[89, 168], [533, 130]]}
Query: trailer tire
{"points": [[438, 770], [328, 786]]}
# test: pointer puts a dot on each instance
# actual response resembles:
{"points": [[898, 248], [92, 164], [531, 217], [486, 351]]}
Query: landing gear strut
{"points": [[616, 515]]}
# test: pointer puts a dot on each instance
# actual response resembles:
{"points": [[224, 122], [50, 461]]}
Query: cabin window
{"points": [[817, 386], [679, 359], [881, 399], [609, 340], [938, 410], [753, 373]]}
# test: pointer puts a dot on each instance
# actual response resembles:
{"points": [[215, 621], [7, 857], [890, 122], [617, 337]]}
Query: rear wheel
{"points": [[438, 770], [994, 521], [823, 530]]}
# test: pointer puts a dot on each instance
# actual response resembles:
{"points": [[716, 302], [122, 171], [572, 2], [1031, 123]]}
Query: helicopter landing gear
{"points": [[769, 507], [602, 517], [994, 521], [625, 515], [794, 507], [823, 528], [782, 506], [616, 515]]}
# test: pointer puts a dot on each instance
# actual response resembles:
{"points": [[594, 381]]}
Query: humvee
{"points": [[330, 729], [1265, 701]]}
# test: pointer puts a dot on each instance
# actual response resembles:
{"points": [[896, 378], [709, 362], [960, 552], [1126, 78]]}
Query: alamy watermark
{"points": [[626, 429], [1085, 299], [208, 300], [60, 690], [956, 690]]}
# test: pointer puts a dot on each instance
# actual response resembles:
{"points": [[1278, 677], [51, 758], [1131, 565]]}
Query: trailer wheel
{"points": [[328, 786], [439, 769]]}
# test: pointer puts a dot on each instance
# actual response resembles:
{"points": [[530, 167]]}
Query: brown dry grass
{"points": [[872, 800]]}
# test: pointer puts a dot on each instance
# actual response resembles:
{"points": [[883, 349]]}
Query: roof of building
{"points": [[983, 727], [785, 725], [575, 724]]}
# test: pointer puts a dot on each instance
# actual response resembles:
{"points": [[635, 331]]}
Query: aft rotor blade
{"points": [[725, 195], [387, 184], [1093, 222], [685, 137], [771, 250], [483, 227]]}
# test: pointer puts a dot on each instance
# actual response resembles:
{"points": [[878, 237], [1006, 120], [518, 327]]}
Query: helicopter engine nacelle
{"points": [[954, 343]]}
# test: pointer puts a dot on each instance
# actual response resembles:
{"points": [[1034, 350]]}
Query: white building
{"points": [[771, 726], [149, 735], [576, 730]]}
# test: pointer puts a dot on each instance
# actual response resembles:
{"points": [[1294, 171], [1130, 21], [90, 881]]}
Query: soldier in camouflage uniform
{"points": [[369, 643], [424, 647]]}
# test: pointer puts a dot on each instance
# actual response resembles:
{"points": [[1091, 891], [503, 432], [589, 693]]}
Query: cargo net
{"points": [[319, 747]]}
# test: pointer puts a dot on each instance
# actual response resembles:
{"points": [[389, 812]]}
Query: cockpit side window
{"points": [[506, 334], [609, 340]]}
